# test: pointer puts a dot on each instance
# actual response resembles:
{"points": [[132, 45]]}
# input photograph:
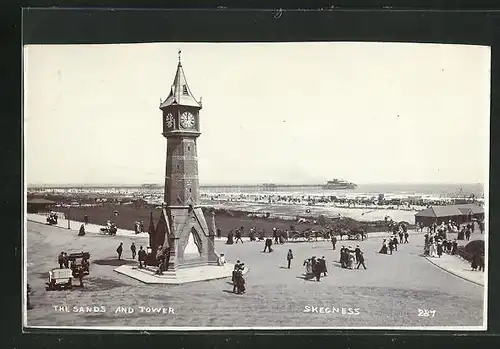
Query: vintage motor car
{"points": [[60, 279]]}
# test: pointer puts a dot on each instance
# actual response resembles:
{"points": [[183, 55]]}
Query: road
{"points": [[388, 294]]}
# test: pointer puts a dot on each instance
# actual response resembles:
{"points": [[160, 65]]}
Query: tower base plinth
{"points": [[178, 276]]}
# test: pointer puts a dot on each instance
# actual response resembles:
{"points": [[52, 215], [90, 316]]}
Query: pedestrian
{"points": [[275, 235], [160, 258], [361, 260], [81, 231], [237, 276], [219, 233], [357, 252], [238, 236], [316, 269], [133, 249], [343, 257], [439, 248], [401, 236], [406, 237], [222, 260], [467, 233], [481, 262], [391, 245], [308, 264], [322, 262], [142, 257], [334, 241], [395, 243], [475, 261], [60, 260], [119, 250], [268, 245], [66, 260], [289, 257]]}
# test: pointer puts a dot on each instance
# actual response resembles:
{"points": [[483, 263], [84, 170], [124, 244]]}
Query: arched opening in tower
{"points": [[193, 247]]}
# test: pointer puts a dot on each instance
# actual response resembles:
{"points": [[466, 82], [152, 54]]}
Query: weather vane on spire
{"points": [[179, 53]]}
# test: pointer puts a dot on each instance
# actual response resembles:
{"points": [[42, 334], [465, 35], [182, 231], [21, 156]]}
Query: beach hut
{"points": [[456, 213]]}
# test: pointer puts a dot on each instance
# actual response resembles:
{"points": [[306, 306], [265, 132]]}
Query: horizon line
{"points": [[57, 185]]}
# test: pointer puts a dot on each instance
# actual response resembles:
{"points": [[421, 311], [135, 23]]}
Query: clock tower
{"points": [[183, 225]]}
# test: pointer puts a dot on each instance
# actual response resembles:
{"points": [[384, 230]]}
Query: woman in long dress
{"points": [[351, 260], [475, 261], [308, 265], [383, 250], [439, 248], [432, 250]]}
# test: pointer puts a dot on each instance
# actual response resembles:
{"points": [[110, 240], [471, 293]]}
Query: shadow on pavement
{"points": [[305, 278], [114, 262]]}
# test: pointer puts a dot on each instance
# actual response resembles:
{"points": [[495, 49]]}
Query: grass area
{"points": [[225, 219]]}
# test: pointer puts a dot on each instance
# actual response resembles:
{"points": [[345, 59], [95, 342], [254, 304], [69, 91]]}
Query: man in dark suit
{"points": [[142, 257], [357, 252], [334, 241], [361, 260], [238, 236], [119, 250], [395, 243]]}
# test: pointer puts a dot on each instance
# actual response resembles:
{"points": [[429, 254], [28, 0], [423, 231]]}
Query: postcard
{"points": [[208, 186]]}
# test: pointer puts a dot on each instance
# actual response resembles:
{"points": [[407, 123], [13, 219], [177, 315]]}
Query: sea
{"points": [[388, 189], [425, 190]]}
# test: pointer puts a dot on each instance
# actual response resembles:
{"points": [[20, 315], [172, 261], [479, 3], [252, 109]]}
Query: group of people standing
{"points": [[238, 279], [142, 256], [349, 257], [435, 245], [464, 231], [391, 244], [315, 267], [63, 260]]}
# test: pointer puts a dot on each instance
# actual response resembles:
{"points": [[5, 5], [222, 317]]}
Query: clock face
{"points": [[169, 120], [187, 120]]}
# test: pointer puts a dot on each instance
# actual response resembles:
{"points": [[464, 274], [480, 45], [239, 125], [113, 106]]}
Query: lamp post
{"points": [[69, 217]]}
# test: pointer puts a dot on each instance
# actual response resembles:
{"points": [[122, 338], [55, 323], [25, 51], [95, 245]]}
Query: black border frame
{"points": [[475, 27]]}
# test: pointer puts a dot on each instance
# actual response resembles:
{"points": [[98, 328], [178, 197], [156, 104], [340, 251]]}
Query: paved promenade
{"points": [[394, 291], [458, 267]]}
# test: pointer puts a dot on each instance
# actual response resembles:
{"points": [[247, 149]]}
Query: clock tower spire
{"points": [[189, 239]]}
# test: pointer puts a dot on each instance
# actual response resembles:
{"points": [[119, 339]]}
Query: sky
{"points": [[295, 113]]}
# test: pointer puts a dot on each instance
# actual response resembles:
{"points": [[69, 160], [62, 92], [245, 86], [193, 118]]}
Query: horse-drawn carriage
{"points": [[353, 232], [309, 235], [52, 218], [110, 229], [356, 234]]}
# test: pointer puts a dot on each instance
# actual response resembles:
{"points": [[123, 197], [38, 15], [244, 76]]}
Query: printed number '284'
{"points": [[426, 312]]}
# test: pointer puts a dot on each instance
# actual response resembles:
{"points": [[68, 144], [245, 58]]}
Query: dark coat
{"points": [[360, 258], [142, 255]]}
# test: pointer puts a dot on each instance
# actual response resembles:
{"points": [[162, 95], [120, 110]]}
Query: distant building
{"points": [[456, 213], [35, 205]]}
